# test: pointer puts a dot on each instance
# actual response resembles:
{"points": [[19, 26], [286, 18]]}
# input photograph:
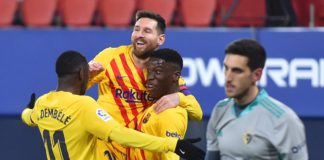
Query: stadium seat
{"points": [[197, 13], [241, 13], [301, 9], [38, 13], [77, 13], [116, 13], [7, 12], [304, 12], [319, 12], [165, 8]]}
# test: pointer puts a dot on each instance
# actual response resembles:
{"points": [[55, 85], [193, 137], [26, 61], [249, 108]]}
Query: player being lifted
{"points": [[70, 123]]}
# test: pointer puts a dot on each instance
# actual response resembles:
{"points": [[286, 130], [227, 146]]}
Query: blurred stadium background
{"points": [[34, 32]]}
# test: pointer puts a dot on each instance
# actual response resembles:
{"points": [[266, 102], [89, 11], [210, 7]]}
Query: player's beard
{"points": [[144, 53]]}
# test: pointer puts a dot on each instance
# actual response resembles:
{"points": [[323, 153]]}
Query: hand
{"points": [[186, 149], [94, 68], [166, 102], [32, 100]]}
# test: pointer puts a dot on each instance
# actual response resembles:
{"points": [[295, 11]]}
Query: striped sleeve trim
{"points": [[272, 108]]}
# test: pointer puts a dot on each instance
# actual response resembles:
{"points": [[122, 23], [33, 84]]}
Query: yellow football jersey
{"points": [[170, 123], [122, 90], [66, 124], [70, 126]]}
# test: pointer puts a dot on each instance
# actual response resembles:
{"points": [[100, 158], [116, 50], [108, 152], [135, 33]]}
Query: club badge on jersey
{"points": [[103, 115], [247, 137]]}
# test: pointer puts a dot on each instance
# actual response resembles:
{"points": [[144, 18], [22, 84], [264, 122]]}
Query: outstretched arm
{"points": [[184, 148], [100, 123]]}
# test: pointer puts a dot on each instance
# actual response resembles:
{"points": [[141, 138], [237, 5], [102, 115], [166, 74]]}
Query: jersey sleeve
{"points": [[98, 122], [176, 130], [289, 139], [135, 139], [102, 58], [29, 116], [211, 133], [189, 102]]}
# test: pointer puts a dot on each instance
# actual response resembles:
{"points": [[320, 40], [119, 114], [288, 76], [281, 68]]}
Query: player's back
{"points": [[61, 117]]}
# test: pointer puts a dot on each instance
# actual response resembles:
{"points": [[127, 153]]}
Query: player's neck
{"points": [[248, 97], [68, 86], [140, 62], [173, 89]]}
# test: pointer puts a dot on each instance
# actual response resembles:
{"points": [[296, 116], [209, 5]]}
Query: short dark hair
{"points": [[169, 56], [251, 49], [148, 14], [69, 62]]}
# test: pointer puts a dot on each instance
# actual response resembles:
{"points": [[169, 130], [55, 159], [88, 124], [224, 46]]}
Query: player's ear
{"points": [[176, 76], [161, 39], [257, 73], [81, 73]]}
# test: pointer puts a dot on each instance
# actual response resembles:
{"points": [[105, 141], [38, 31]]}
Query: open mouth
{"points": [[149, 87], [229, 87], [140, 44]]}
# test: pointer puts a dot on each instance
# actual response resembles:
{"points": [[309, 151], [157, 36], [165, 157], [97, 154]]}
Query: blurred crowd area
{"points": [[177, 13]]}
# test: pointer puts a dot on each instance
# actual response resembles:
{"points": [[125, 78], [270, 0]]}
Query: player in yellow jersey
{"points": [[164, 71], [70, 122], [121, 75], [122, 90]]}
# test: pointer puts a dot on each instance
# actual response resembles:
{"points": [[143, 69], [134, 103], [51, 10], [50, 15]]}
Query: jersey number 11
{"points": [[57, 139]]}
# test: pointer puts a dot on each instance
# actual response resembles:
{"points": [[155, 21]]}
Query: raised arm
{"points": [[97, 67], [28, 116]]}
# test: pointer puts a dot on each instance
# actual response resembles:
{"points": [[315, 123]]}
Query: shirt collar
{"points": [[261, 95]]}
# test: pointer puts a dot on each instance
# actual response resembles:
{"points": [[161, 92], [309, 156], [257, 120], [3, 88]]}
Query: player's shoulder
{"points": [[222, 106], [43, 96], [174, 112], [40, 100], [171, 115], [116, 50], [225, 102], [86, 99], [48, 97], [86, 104], [280, 115], [277, 109], [177, 110]]}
